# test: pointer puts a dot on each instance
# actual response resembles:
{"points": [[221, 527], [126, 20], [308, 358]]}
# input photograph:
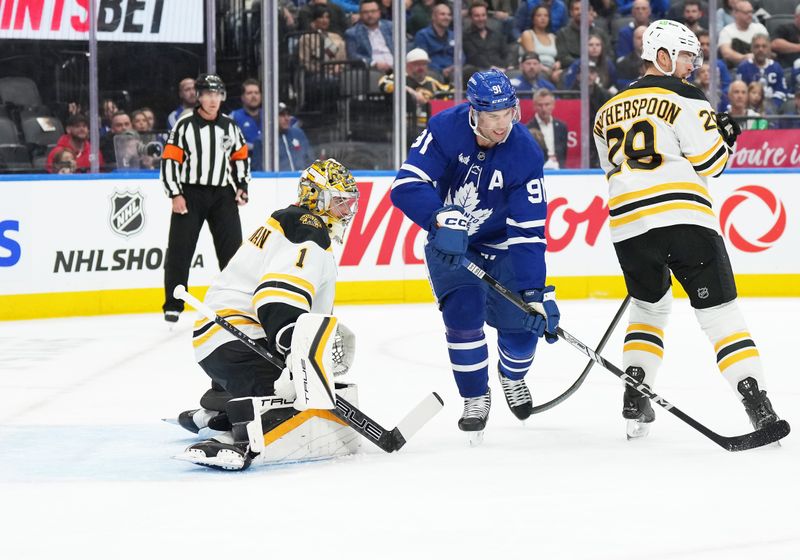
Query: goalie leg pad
{"points": [[312, 361], [291, 435]]}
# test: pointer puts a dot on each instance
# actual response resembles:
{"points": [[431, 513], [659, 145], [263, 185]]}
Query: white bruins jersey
{"points": [[658, 143], [285, 268]]}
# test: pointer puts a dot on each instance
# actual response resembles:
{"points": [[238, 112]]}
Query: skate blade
{"points": [[475, 438], [637, 430], [225, 460], [173, 421]]}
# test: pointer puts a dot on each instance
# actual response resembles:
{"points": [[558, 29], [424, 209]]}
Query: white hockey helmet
{"points": [[674, 38]]}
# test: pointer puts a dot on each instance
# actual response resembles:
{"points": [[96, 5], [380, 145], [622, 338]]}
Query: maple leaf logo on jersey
{"points": [[466, 196]]}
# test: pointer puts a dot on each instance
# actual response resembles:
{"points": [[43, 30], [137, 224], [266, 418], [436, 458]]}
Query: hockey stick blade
{"points": [[759, 438], [350, 414], [766, 435], [418, 417]]}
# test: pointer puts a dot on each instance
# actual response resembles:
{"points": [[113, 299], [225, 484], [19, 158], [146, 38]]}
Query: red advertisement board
{"points": [[767, 148]]}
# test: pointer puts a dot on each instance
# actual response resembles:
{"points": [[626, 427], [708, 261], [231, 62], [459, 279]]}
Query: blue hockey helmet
{"points": [[491, 91]]}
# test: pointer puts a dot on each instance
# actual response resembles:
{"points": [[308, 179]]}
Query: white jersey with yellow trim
{"points": [[658, 143], [283, 269]]}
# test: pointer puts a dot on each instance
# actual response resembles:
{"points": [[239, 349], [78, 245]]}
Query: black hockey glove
{"points": [[728, 128]]}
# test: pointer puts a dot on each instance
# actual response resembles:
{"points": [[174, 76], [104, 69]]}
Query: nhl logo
{"points": [[702, 293], [127, 213]]}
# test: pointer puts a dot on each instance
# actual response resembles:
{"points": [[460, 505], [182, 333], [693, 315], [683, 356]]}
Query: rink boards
{"points": [[86, 245]]}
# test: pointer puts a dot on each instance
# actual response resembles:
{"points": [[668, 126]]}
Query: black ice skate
{"points": [[636, 408], [199, 418], [172, 316], [517, 396], [217, 454], [756, 403], [475, 415]]}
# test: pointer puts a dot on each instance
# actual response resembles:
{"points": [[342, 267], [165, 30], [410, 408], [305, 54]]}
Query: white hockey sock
{"points": [[737, 355], [644, 338]]}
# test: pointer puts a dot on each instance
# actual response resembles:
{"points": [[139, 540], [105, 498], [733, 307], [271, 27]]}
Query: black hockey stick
{"points": [[578, 382], [387, 440], [766, 435]]}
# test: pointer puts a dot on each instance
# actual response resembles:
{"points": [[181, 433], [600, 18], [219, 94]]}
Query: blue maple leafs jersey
{"points": [[771, 75], [501, 189]]}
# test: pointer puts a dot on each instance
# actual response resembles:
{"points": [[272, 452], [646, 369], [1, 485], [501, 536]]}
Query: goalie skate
{"points": [[217, 455]]}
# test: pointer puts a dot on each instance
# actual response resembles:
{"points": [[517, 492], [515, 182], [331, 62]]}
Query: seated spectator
{"points": [[140, 122], [419, 16], [786, 41], [658, 8], [370, 40], [151, 117], [702, 80], [294, 149], [765, 70], [541, 41], [484, 48], [530, 77], [794, 81], [120, 122], [735, 38], [338, 21], [630, 66], [421, 88], [641, 16], [249, 119], [724, 78], [724, 13], [553, 130], [556, 9], [568, 38], [63, 161], [188, 97], [108, 108], [437, 40], [321, 45], [501, 12], [606, 70], [791, 107], [692, 16], [757, 101], [76, 140], [737, 107]]}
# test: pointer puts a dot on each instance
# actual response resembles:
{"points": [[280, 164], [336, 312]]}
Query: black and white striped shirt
{"points": [[201, 152]]}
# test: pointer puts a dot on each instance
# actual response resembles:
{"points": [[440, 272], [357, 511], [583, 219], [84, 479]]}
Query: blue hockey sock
{"points": [[516, 353], [469, 358]]}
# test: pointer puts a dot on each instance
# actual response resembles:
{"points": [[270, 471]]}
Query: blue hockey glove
{"points": [[448, 236], [543, 324]]}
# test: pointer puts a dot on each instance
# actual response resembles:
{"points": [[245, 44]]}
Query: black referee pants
{"points": [[217, 205]]}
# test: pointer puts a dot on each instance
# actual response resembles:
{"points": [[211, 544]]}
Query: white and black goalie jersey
{"points": [[285, 268], [658, 143]]}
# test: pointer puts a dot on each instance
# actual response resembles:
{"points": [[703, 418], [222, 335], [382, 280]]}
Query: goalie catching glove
{"points": [[322, 348]]}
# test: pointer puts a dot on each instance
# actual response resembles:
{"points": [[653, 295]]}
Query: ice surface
{"points": [[85, 468]]}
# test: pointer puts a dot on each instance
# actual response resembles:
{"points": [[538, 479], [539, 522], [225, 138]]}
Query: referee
{"points": [[205, 169]]}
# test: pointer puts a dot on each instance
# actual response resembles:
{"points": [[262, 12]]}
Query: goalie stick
{"points": [[387, 440], [766, 435]]}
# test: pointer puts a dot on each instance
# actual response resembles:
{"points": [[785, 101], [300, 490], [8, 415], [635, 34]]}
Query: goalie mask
{"points": [[674, 38], [328, 189]]}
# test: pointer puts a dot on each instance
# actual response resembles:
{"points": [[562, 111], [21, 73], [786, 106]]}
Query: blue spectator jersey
{"points": [[251, 129], [522, 85], [501, 190], [771, 76], [522, 18], [294, 150], [439, 50]]}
